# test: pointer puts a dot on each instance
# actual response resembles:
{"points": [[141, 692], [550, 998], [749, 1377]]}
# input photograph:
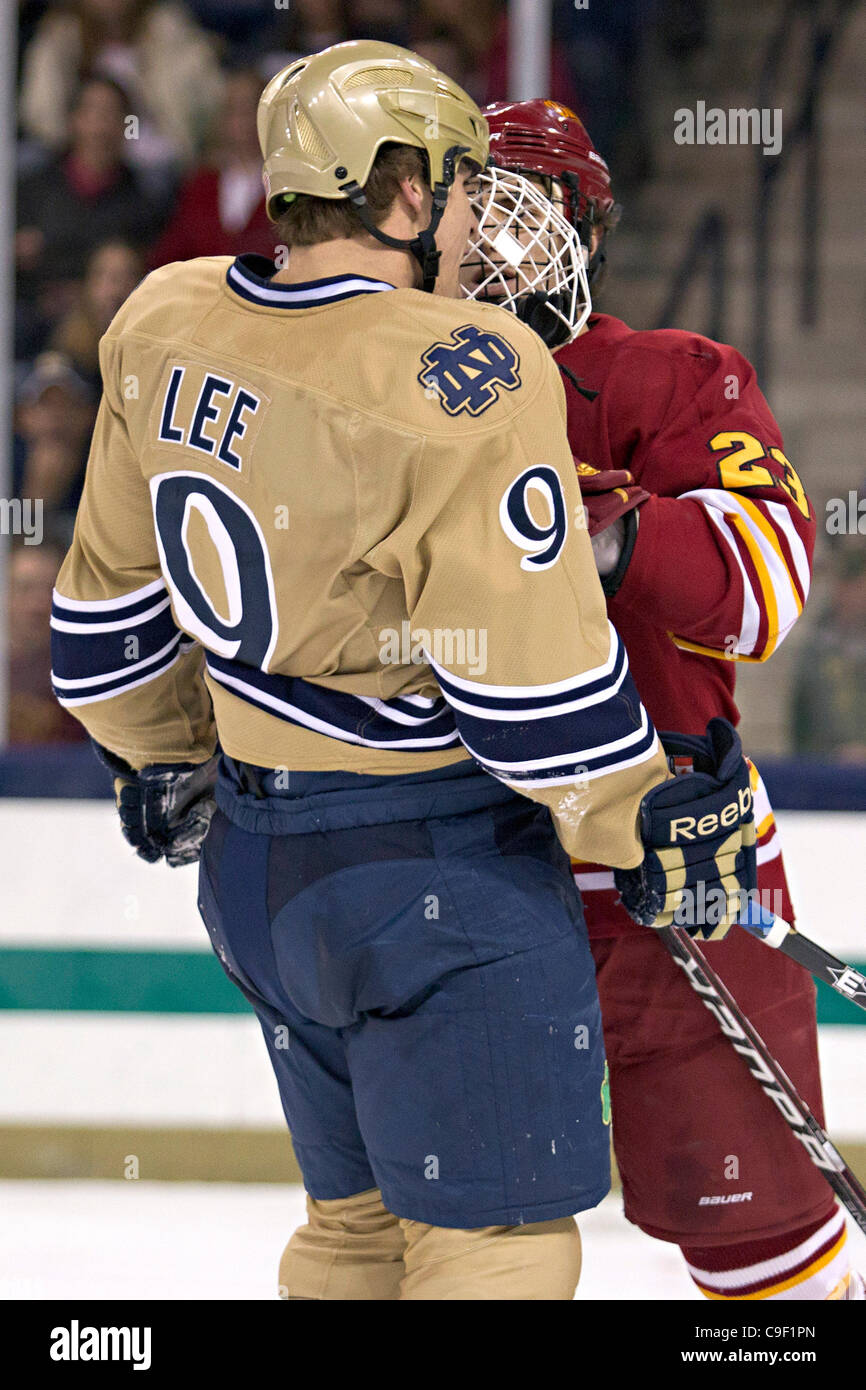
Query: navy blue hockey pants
{"points": [[415, 950]]}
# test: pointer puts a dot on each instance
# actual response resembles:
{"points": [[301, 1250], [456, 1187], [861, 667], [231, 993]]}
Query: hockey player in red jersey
{"points": [[703, 535]]}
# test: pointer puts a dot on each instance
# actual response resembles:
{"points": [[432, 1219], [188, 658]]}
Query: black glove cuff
{"points": [[716, 753], [612, 581], [118, 767]]}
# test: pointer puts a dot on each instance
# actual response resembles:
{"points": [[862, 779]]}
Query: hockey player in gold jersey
{"points": [[329, 535]]}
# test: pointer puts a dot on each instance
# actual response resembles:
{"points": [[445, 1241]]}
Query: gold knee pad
{"points": [[534, 1262], [350, 1248]]}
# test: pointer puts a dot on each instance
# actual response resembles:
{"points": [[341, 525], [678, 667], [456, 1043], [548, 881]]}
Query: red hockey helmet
{"points": [[544, 138]]}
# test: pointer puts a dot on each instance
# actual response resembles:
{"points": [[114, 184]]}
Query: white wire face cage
{"points": [[524, 247]]}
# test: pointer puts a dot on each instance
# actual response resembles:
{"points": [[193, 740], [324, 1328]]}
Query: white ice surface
{"points": [[149, 1240]]}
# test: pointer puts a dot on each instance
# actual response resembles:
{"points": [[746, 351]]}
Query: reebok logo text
{"points": [[690, 828]]}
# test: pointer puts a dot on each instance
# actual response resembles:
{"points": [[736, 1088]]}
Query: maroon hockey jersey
{"points": [[722, 560]]}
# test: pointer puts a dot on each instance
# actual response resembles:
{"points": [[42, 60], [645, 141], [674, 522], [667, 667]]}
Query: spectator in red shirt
{"points": [[221, 208]]}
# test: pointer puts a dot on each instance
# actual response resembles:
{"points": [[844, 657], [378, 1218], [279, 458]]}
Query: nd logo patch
{"points": [[468, 372]]}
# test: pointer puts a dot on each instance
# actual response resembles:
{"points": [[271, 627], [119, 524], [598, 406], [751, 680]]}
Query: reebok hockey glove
{"points": [[699, 834], [166, 809]]}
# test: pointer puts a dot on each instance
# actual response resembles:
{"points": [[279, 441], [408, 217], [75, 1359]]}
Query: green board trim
{"points": [[99, 981], [181, 982], [832, 1008]]}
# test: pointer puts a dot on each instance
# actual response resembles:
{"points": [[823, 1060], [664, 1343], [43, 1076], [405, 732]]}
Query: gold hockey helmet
{"points": [[322, 120]]}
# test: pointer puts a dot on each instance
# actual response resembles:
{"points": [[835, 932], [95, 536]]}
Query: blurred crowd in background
{"points": [[137, 146]]}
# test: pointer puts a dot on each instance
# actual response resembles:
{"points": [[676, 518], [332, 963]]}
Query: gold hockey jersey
{"points": [[338, 526]]}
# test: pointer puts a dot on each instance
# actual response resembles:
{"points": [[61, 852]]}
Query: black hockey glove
{"points": [[699, 833], [165, 810]]}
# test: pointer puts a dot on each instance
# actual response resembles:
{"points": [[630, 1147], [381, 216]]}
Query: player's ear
{"points": [[412, 196]]}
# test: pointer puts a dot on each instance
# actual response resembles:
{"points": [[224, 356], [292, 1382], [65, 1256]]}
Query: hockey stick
{"points": [[747, 1042], [776, 932]]}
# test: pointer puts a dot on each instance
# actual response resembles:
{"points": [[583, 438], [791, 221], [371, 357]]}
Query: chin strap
{"points": [[595, 267], [584, 227], [423, 247]]}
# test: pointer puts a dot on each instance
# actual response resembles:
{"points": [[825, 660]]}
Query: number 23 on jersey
{"points": [[744, 466]]}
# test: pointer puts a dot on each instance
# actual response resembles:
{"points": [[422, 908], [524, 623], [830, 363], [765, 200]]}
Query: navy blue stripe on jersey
{"points": [[576, 767], [102, 614], [572, 730], [250, 277], [405, 723], [102, 647], [139, 673], [513, 703]]}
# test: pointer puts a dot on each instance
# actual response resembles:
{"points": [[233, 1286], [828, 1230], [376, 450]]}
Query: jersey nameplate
{"points": [[208, 412]]}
